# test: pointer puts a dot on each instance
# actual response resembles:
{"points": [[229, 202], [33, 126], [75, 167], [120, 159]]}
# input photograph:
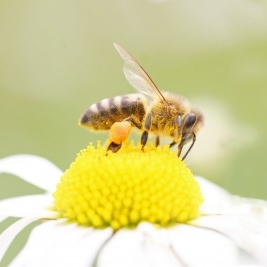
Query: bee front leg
{"points": [[157, 142], [191, 145], [147, 126], [172, 143]]}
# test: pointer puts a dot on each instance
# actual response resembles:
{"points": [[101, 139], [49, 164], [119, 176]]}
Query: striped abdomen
{"points": [[102, 115]]}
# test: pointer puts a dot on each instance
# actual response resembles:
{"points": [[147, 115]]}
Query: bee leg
{"points": [[180, 146], [118, 134], [172, 143], [144, 135], [192, 144], [133, 122], [113, 147], [157, 141]]}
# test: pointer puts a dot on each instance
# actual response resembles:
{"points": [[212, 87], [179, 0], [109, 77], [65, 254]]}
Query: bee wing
{"points": [[137, 76]]}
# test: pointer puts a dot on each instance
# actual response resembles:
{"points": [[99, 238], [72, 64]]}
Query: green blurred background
{"points": [[57, 58]]}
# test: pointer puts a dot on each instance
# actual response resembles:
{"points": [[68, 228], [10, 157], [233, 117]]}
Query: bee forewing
{"points": [[137, 76]]}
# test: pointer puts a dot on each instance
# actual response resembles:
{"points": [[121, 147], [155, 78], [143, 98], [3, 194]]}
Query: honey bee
{"points": [[167, 115]]}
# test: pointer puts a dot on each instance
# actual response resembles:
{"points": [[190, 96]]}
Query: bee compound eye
{"points": [[190, 120]]}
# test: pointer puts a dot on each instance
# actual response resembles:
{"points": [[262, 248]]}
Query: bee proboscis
{"points": [[167, 115]]}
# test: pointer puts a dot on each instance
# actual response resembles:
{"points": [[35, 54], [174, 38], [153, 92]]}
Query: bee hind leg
{"points": [[119, 132], [144, 135], [114, 147]]}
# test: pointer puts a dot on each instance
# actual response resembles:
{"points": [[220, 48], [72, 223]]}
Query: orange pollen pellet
{"points": [[120, 131]]}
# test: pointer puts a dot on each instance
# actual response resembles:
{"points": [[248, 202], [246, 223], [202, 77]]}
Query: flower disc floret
{"points": [[125, 188]]}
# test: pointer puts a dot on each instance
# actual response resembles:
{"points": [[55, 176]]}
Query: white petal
{"points": [[124, 249], [201, 247], [254, 208], [33, 169], [159, 247], [3, 217], [144, 246], [219, 201], [248, 233], [56, 243], [241, 219], [7, 236], [32, 206], [216, 199]]}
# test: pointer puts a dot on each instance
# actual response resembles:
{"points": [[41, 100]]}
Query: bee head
{"points": [[186, 131], [189, 123]]}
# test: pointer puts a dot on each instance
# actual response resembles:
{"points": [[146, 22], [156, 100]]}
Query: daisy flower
{"points": [[130, 208]]}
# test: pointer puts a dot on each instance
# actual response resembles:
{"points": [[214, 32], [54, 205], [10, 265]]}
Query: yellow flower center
{"points": [[125, 188]]}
